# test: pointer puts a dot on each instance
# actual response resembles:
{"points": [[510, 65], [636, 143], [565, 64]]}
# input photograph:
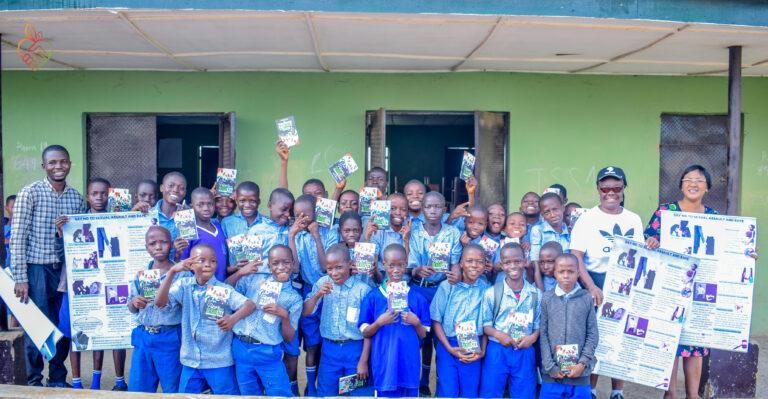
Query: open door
{"points": [[376, 140], [491, 132], [227, 140], [121, 148]]}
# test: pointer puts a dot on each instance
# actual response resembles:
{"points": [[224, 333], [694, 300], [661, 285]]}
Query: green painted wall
{"points": [[562, 127]]}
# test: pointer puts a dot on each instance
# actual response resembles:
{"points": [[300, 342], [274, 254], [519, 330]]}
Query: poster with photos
{"points": [[724, 281], [646, 300], [104, 253]]}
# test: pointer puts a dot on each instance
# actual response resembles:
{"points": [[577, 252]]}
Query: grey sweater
{"points": [[565, 323]]}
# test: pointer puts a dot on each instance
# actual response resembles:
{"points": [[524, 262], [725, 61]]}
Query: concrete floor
{"points": [[631, 391]]}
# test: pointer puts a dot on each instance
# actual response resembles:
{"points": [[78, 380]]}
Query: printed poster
{"points": [[646, 299], [104, 253], [723, 284]]}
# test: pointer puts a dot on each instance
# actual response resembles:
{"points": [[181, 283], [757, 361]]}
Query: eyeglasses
{"points": [[606, 190], [694, 180]]}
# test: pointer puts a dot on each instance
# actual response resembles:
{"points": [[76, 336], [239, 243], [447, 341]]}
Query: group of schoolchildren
{"points": [[343, 315]]}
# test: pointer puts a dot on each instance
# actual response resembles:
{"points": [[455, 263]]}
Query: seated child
{"points": [[309, 242], [344, 351], [350, 230], [458, 367], [399, 231], [545, 267], [208, 230], [274, 230], [561, 380], [247, 199], [257, 348], [225, 206], [510, 314], [394, 336], [552, 228], [156, 339], [207, 307]]}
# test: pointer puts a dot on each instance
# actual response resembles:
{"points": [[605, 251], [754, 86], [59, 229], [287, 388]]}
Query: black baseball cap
{"points": [[612, 171]]}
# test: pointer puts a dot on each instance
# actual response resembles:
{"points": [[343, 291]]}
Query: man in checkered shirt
{"points": [[35, 263]]}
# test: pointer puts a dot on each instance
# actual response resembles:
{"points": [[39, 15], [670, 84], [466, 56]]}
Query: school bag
{"points": [[498, 292]]}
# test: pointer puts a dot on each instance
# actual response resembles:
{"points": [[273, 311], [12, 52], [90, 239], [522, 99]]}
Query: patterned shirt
{"points": [[263, 326], [152, 316], [203, 344], [458, 303], [544, 232], [418, 254], [306, 248], [33, 231], [654, 225], [340, 308], [271, 234], [511, 305]]}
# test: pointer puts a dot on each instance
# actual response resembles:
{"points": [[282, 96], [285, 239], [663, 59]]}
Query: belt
{"points": [[425, 283], [159, 329], [248, 339], [342, 341]]}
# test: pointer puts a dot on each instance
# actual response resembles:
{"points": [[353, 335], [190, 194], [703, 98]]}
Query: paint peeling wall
{"points": [[563, 128]]}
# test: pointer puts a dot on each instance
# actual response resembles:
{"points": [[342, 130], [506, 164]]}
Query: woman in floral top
{"points": [[694, 183]]}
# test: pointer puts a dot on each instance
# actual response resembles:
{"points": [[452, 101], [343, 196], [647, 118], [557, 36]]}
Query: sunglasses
{"points": [[606, 190]]}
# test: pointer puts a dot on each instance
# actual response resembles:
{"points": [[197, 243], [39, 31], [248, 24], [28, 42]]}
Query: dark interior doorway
{"points": [[429, 145], [196, 145]]}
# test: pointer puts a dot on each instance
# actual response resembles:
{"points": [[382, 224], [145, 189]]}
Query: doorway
{"points": [[429, 146], [694, 139], [118, 150]]}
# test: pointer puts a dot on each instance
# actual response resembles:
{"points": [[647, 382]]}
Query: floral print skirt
{"points": [[691, 351]]}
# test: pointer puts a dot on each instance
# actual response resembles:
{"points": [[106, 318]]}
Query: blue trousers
{"points": [[399, 393], [454, 378], [336, 361], [221, 380], [554, 390], [43, 285], [155, 360], [508, 365], [260, 370], [310, 325]]}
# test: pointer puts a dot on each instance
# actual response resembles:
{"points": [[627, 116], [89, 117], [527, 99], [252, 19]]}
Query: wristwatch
{"points": [[586, 366]]}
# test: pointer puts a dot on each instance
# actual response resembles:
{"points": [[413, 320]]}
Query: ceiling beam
{"points": [[480, 45], [316, 41], [627, 54], [155, 42]]}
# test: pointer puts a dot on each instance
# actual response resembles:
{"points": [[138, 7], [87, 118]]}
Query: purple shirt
{"points": [[215, 239]]}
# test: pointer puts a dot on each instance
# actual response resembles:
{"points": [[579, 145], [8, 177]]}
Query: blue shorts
{"points": [[260, 370], [64, 324], [221, 380], [503, 365], [310, 325], [336, 361], [155, 360], [454, 378]]}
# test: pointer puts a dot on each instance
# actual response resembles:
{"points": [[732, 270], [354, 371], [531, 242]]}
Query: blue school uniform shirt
{"points": [[271, 234], [384, 238], [267, 331], [216, 240], [7, 231], [152, 316], [168, 223], [203, 344], [543, 232], [236, 224], [306, 248], [418, 255], [340, 309], [510, 303], [458, 303], [395, 355], [549, 282]]}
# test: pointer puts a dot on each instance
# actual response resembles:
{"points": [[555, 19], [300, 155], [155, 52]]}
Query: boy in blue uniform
{"points": [[257, 345], [308, 241], [510, 313], [497, 217], [156, 339], [173, 189], [350, 229], [567, 303], [247, 198], [206, 345], [344, 351], [208, 230], [458, 372], [474, 224], [424, 278], [545, 267], [394, 337], [399, 231], [552, 228], [274, 230]]}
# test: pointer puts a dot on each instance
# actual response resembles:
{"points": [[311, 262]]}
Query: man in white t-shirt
{"points": [[592, 241]]}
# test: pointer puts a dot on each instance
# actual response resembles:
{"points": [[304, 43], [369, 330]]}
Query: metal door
{"points": [[122, 148], [694, 139]]}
